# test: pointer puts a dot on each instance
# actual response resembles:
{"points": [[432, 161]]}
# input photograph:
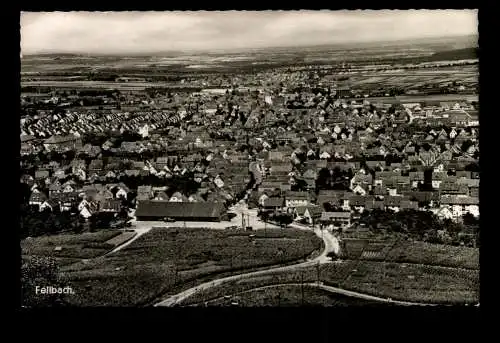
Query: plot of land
{"points": [[426, 284], [70, 246], [167, 260], [288, 295], [411, 252]]}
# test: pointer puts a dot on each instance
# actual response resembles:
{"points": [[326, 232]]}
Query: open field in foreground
{"points": [[168, 260], [289, 295], [73, 246], [415, 283], [406, 271]]}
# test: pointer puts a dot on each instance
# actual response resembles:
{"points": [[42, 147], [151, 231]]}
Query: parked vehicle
{"points": [[168, 220]]}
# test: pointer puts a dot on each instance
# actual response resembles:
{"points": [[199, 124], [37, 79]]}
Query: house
{"points": [[339, 220], [262, 198], [408, 205], [122, 191], [178, 197], [310, 213], [358, 189], [444, 213], [310, 174], [416, 178], [87, 209], [459, 205], [393, 203], [372, 204], [69, 187], [96, 165], [41, 174], [438, 178], [62, 143], [161, 195], [55, 188], [37, 198], [294, 199], [66, 201], [144, 193], [357, 202], [110, 206], [50, 205], [274, 203], [189, 211], [110, 175]]}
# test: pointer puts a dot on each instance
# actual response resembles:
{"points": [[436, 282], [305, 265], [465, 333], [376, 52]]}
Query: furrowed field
{"points": [[168, 260], [385, 267], [73, 246], [289, 295]]}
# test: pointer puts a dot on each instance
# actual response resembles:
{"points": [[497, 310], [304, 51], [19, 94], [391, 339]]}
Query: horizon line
{"points": [[215, 50]]}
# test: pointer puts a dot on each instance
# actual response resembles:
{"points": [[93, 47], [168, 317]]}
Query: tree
{"points": [[469, 219], [284, 219]]}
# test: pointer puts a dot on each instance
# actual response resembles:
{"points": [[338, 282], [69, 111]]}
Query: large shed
{"points": [[182, 211]]}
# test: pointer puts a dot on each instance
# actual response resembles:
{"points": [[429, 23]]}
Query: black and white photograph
{"points": [[306, 158]]}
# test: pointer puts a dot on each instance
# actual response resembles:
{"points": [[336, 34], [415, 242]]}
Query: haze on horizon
{"points": [[155, 32]]}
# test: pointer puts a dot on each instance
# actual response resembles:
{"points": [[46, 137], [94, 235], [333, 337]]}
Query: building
{"points": [[339, 220], [181, 211]]}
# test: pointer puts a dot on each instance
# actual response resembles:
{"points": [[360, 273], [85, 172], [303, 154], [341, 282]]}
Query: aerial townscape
{"points": [[339, 174]]}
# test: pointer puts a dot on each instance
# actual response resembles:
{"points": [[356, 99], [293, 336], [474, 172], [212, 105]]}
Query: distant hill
{"points": [[455, 54]]}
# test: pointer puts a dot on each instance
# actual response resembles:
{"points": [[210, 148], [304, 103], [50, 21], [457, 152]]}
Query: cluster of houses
{"points": [[277, 136]]}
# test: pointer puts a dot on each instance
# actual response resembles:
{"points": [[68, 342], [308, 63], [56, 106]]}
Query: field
{"points": [[167, 260], [417, 283], [288, 295], [74, 246], [402, 251], [385, 267], [333, 272]]}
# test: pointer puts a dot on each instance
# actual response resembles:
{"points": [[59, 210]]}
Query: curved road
{"points": [[331, 245]]}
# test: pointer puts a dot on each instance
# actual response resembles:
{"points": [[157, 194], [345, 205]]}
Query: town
{"points": [[309, 146]]}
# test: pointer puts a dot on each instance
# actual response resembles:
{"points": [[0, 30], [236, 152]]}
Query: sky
{"points": [[145, 32]]}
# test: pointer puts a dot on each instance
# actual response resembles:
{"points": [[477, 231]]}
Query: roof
{"points": [[155, 208], [335, 215], [406, 204], [297, 195], [60, 139], [274, 202], [458, 200], [392, 200], [313, 210]]}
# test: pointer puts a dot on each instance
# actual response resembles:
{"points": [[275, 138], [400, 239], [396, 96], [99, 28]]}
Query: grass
{"points": [[168, 260], [416, 283], [381, 248], [289, 295], [74, 246], [435, 254]]}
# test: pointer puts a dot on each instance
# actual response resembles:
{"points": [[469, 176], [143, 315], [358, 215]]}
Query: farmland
{"points": [[417, 283], [167, 260], [289, 295], [402, 251], [388, 268], [73, 246]]}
